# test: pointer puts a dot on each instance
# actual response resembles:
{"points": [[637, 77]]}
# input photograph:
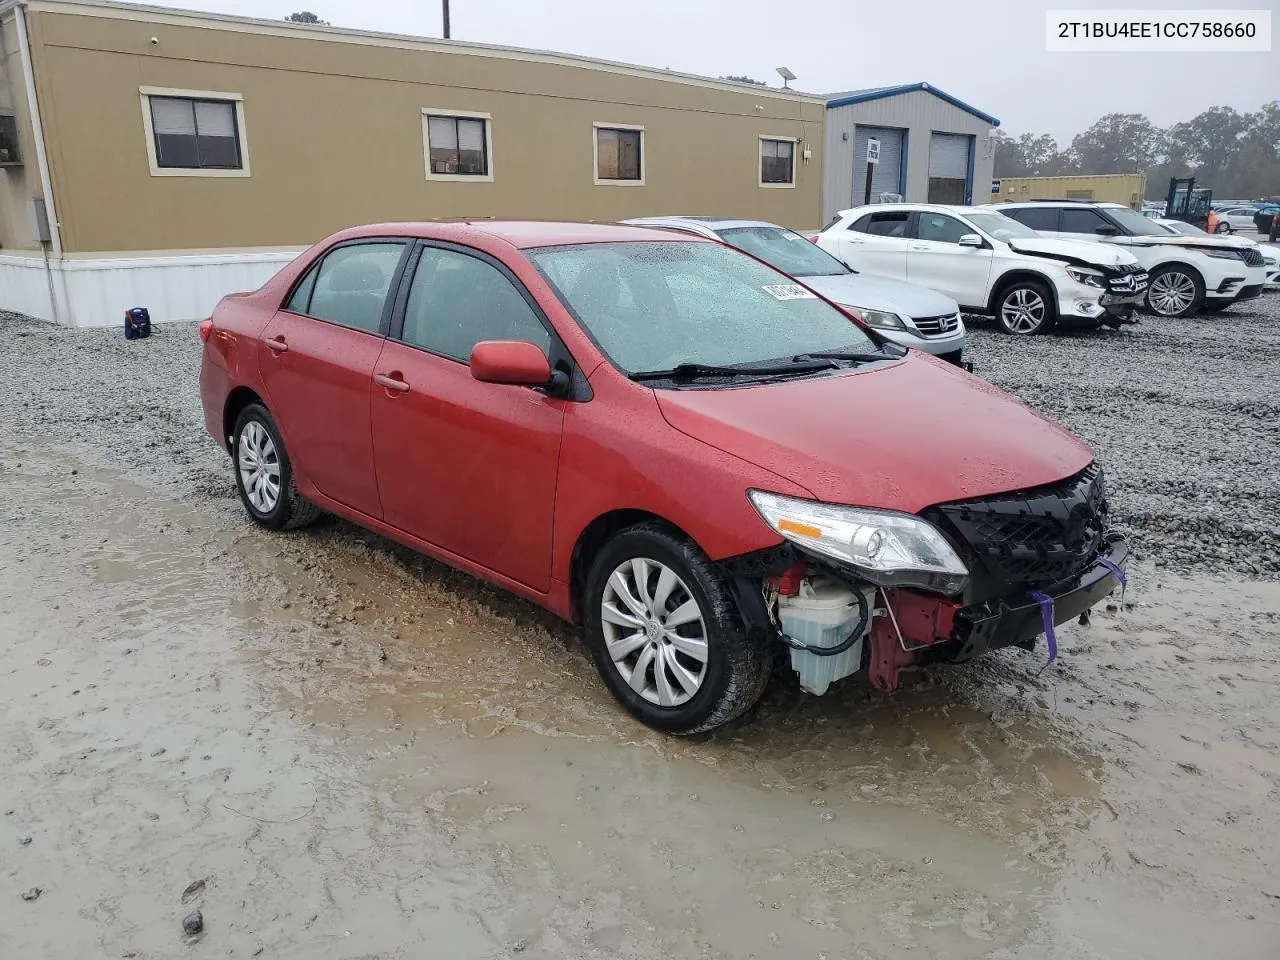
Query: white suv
{"points": [[1187, 273], [990, 264]]}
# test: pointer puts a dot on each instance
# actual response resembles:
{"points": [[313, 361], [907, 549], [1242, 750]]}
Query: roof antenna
{"points": [[446, 18]]}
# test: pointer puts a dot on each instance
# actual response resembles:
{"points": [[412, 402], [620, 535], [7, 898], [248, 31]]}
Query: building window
{"points": [[194, 133], [777, 162], [459, 145], [9, 141], [619, 154]]}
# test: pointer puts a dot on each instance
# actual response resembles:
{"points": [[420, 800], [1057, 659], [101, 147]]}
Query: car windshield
{"points": [[1001, 227], [653, 305], [1135, 223], [788, 251]]}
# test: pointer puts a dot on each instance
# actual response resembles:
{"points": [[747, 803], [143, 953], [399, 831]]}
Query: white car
{"points": [[1187, 273], [990, 264], [1270, 252], [1237, 220], [906, 313]]}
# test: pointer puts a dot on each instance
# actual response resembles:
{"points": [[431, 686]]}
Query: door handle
{"points": [[278, 345], [919, 246], [391, 381]]}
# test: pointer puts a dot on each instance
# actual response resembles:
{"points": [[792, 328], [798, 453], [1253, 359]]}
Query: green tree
{"points": [[743, 78], [1209, 141], [306, 16], [1009, 160], [1029, 155], [1118, 143]]}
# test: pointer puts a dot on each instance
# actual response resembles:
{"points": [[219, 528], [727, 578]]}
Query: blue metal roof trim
{"points": [[881, 92]]}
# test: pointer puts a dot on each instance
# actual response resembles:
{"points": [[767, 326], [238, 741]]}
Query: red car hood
{"points": [[900, 436]]}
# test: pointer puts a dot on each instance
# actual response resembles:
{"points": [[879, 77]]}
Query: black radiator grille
{"points": [[1034, 537]]}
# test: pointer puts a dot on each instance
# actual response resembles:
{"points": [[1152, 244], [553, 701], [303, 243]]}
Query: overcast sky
{"points": [[989, 53]]}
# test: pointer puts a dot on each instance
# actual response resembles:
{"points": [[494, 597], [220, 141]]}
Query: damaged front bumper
{"points": [[1017, 619]]}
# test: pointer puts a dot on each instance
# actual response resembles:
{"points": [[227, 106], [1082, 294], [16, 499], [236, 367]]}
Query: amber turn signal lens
{"points": [[800, 529]]}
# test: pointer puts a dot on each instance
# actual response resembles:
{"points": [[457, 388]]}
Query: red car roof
{"points": [[519, 233]]}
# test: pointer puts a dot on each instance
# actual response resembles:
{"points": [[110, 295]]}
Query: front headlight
{"points": [[880, 319], [1225, 254], [891, 549], [1085, 275]]}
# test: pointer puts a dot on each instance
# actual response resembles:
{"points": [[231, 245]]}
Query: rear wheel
{"points": [[264, 475], [666, 635], [1223, 228], [1175, 291], [1026, 308]]}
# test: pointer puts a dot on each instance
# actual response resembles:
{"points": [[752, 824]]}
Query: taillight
{"points": [[206, 330]]}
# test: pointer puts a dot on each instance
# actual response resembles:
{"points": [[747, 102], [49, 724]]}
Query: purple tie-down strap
{"points": [[1115, 568], [1046, 611]]}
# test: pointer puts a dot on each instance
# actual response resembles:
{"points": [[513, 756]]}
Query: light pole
{"points": [[446, 18]]}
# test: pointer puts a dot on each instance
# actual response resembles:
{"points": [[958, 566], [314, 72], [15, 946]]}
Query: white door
{"points": [[949, 168], [886, 176], [935, 259], [873, 243]]}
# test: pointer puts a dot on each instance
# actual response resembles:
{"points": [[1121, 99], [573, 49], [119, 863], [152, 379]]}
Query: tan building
{"points": [[181, 155], [1126, 188]]}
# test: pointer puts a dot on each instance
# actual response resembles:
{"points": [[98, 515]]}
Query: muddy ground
{"points": [[336, 749]]}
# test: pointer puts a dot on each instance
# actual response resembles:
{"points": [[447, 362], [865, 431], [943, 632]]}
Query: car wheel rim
{"points": [[1171, 293], [1023, 311], [654, 632], [259, 466]]}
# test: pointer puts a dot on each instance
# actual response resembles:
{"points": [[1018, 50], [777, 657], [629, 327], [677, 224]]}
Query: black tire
{"points": [[1169, 273], [289, 509], [1223, 228], [739, 660], [1025, 295]]}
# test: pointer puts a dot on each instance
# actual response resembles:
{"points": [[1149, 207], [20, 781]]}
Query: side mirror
{"points": [[515, 362], [1106, 231], [970, 240]]}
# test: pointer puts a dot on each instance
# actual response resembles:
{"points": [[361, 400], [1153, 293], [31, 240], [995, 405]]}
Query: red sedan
{"points": [[663, 439]]}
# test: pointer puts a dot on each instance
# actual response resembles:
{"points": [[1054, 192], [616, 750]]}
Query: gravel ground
{"points": [[1184, 415], [335, 748]]}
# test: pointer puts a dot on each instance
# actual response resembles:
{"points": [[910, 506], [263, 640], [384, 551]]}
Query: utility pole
{"points": [[446, 18]]}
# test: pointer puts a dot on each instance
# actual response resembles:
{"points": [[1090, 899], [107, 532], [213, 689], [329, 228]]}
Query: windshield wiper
{"points": [[690, 370], [848, 355]]}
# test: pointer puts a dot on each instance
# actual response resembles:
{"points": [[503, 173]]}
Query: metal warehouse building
{"points": [[160, 158], [934, 148]]}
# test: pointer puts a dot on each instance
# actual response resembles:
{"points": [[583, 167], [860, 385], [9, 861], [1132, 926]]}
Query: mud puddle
{"points": [[361, 754]]}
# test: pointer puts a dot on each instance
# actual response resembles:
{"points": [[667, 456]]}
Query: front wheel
{"points": [[1026, 308], [1223, 228], [1175, 291], [264, 475], [666, 635]]}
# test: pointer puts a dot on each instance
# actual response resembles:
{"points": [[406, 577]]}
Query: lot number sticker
{"points": [[789, 291]]}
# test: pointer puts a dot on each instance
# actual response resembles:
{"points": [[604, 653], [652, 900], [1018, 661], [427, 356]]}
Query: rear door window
{"points": [[350, 285], [1037, 218], [892, 224]]}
